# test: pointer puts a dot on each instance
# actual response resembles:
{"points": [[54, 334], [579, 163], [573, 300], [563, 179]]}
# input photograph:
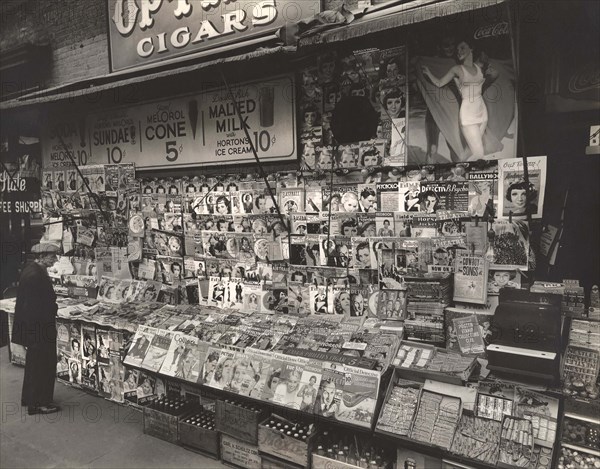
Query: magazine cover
{"points": [[291, 200], [408, 196], [384, 224], [441, 252], [88, 334], [328, 251], [63, 347], [116, 376], [74, 371], [444, 195], [341, 300], [274, 376], [509, 248], [310, 381], [483, 193], [329, 394], [224, 370], [102, 346], [366, 225], [484, 320], [371, 153], [498, 279], [368, 200], [104, 381], [298, 250], [210, 365], [139, 345], [517, 195], [359, 396], [398, 145], [388, 196], [347, 156], [216, 291], [263, 248], [252, 297], [320, 300], [424, 225], [361, 253], [182, 359], [258, 372], [288, 387], [470, 279], [468, 335], [130, 384], [477, 236], [146, 388], [403, 223], [313, 199], [157, 351], [450, 222], [298, 223], [377, 245], [392, 304], [234, 296]]}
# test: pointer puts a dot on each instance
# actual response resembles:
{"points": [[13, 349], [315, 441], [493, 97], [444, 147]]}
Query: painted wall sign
{"points": [[144, 32], [195, 130]]}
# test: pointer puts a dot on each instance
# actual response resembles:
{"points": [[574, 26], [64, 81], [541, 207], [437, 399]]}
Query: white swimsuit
{"points": [[472, 108]]}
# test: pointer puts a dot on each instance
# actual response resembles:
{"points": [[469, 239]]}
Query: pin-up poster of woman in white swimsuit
{"points": [[463, 104]]}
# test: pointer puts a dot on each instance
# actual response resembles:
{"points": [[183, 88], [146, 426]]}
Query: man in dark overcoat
{"points": [[35, 329]]}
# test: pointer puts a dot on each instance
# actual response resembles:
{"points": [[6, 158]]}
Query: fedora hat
{"points": [[45, 248]]}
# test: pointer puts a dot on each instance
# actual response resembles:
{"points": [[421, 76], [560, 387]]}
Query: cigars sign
{"points": [[202, 129], [148, 31]]}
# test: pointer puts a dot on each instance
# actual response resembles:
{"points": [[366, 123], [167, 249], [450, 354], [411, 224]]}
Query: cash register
{"points": [[527, 341]]}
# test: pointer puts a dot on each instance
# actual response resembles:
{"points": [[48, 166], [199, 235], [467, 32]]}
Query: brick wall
{"points": [[75, 30]]}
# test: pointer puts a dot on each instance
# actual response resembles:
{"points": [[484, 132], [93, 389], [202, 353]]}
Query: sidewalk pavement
{"points": [[88, 432]]}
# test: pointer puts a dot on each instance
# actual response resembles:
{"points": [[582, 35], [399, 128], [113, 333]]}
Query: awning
{"points": [[130, 77], [381, 19]]}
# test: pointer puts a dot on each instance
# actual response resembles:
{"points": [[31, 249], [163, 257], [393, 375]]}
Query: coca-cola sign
{"points": [[492, 30], [585, 79]]}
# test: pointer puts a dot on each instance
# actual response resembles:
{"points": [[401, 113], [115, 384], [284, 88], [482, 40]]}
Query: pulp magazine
{"points": [[359, 396]]}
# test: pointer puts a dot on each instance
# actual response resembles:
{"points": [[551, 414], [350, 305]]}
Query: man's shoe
{"points": [[43, 409]]}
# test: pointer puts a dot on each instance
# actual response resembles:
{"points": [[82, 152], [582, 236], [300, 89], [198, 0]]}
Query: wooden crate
{"points": [[285, 447], [321, 462], [238, 422], [161, 425], [239, 453], [199, 438], [271, 462]]}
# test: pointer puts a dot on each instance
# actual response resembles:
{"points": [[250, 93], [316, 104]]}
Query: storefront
{"points": [[354, 222]]}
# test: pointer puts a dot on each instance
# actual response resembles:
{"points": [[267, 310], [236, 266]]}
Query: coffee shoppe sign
{"points": [[202, 129], [148, 31]]}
